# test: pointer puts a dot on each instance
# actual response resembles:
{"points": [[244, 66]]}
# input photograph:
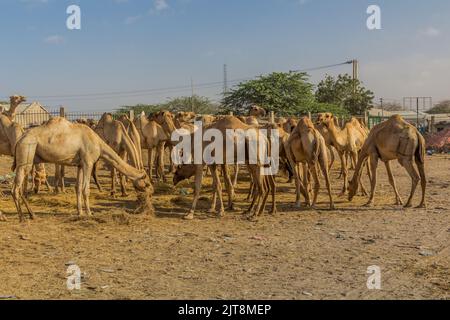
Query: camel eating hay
{"points": [[61, 142]]}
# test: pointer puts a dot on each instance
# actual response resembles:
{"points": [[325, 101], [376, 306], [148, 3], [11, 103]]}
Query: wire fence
{"points": [[35, 118]]}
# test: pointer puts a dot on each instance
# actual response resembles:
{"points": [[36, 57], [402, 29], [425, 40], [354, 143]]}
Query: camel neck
{"points": [[336, 135], [111, 157]]}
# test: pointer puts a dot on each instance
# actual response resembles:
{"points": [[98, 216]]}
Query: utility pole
{"points": [[225, 79], [355, 74], [355, 69], [381, 106], [192, 95]]}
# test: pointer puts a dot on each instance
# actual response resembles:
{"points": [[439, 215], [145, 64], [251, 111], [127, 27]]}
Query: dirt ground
{"points": [[297, 254]]}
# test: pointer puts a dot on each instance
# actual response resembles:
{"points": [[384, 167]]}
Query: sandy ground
{"points": [[306, 254]]}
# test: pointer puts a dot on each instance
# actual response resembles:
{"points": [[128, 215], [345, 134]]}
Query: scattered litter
{"points": [[426, 253]]}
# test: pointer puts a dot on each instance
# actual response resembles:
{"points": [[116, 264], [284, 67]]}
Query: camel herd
{"points": [[306, 152]]}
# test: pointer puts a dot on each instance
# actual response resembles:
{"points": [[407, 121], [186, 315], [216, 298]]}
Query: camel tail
{"points": [[420, 151]]}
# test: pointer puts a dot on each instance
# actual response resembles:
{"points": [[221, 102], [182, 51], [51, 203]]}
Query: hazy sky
{"points": [[134, 45]]}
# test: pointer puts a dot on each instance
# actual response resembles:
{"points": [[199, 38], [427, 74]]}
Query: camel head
{"points": [[352, 189], [16, 100], [183, 116], [326, 119], [142, 183], [183, 172], [257, 111], [289, 125]]}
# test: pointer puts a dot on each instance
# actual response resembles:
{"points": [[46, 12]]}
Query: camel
{"points": [[257, 111], [250, 120], [62, 142], [307, 146], [15, 101], [349, 139], [206, 120], [264, 184], [289, 125], [153, 138], [115, 134], [387, 141], [184, 117], [134, 136]]}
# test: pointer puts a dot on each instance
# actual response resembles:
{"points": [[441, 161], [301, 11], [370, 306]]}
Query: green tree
{"points": [[441, 107], [285, 93], [346, 92], [198, 104]]}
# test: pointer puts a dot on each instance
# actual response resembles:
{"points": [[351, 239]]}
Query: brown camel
{"points": [[14, 101], [257, 111], [348, 139], [115, 134], [390, 140], [153, 138], [307, 146], [264, 184], [62, 142]]}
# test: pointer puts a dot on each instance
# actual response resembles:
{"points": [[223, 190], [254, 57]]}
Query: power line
{"points": [[144, 92]]}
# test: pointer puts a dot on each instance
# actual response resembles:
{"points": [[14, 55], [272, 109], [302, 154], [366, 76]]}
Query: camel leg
{"points": [[95, 176], [398, 199], [160, 163], [216, 179], [212, 209], [332, 157], [235, 177], [343, 164], [78, 188], [17, 190], [307, 184], [373, 159], [123, 187], [87, 171], [316, 189], [265, 196], [254, 192], [228, 186], [326, 174], [197, 189], [423, 183], [113, 182], [150, 163], [407, 163], [345, 174]]}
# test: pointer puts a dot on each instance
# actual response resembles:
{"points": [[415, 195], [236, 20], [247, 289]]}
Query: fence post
{"points": [[231, 113], [309, 115], [62, 112], [366, 118], [131, 115], [432, 128], [272, 117]]}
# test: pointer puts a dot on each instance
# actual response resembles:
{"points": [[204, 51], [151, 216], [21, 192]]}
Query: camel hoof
{"points": [[252, 218], [332, 207], [221, 214], [189, 216], [3, 218], [124, 195], [368, 205], [421, 206], [212, 210], [407, 206]]}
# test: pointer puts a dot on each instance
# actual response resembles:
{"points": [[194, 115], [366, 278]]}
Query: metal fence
{"points": [[36, 118]]}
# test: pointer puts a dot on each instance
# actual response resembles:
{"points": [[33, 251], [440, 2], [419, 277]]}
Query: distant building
{"points": [[29, 114]]}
